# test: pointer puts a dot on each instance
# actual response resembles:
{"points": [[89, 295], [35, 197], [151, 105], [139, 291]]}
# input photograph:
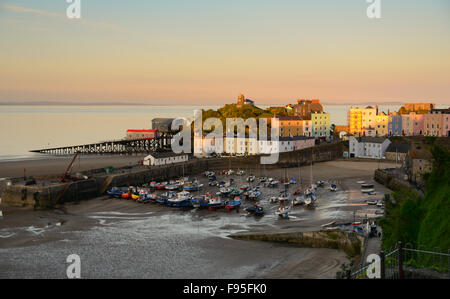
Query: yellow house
{"points": [[382, 124], [291, 126]]}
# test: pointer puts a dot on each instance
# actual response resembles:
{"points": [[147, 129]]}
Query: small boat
{"points": [[115, 192], [213, 183], [236, 192], [320, 183], [263, 179], [193, 186], [251, 179], [368, 191], [367, 186], [253, 195], [372, 202], [292, 181], [245, 187], [173, 186], [240, 172], [298, 191], [356, 223], [255, 210], [201, 202], [134, 196], [225, 191], [298, 201], [380, 205], [234, 204], [310, 200], [372, 193], [215, 204], [230, 172], [126, 195], [282, 212], [273, 184], [183, 199], [161, 186], [329, 224], [333, 188]]}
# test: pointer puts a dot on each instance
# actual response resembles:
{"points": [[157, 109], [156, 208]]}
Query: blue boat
{"points": [[193, 187], [115, 192], [201, 202], [182, 200], [233, 204], [255, 210]]}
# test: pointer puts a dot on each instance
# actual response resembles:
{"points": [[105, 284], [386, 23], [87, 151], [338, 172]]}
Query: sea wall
{"points": [[393, 183], [48, 193], [348, 242]]}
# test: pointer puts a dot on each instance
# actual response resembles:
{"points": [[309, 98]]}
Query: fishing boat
{"points": [[253, 194], [245, 187], [183, 199], [200, 202], [236, 192], [282, 212], [233, 204], [310, 199], [172, 186], [255, 210], [193, 186], [333, 188], [115, 192], [372, 202], [162, 186], [251, 179], [213, 183], [215, 204], [298, 201], [225, 191]]}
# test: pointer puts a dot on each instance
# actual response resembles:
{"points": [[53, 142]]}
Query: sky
{"points": [[174, 52]]}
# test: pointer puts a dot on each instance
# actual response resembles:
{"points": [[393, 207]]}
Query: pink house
{"points": [[418, 123], [445, 130]]}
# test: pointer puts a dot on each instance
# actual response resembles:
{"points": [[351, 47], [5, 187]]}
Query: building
{"points": [[243, 101], [307, 128], [304, 108], [208, 145], [359, 119], [339, 129], [141, 134], [282, 145], [395, 125], [418, 107], [162, 125], [381, 124], [444, 126], [397, 152], [320, 124], [418, 123], [290, 126], [165, 158], [368, 147], [408, 124], [432, 124], [241, 145], [419, 162]]}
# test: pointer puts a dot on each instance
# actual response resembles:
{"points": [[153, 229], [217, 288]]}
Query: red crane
{"points": [[66, 176]]}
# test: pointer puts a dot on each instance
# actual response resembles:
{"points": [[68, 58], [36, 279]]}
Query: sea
{"points": [[24, 128]]}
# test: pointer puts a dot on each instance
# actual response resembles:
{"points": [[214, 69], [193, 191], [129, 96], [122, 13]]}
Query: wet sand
{"points": [[124, 239]]}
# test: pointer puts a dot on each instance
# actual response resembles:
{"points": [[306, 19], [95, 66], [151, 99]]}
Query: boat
{"points": [[240, 172], [233, 204], [372, 193], [310, 199], [320, 183], [201, 202], [282, 212], [298, 191], [183, 199], [225, 191], [251, 179], [115, 192], [255, 210], [245, 187], [372, 202], [213, 183], [193, 186], [161, 186], [292, 181], [380, 204], [236, 192], [253, 194], [174, 186], [215, 204], [273, 184], [333, 188], [368, 191], [298, 201]]}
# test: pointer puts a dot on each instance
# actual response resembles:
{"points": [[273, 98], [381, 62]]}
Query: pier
{"points": [[125, 147]]}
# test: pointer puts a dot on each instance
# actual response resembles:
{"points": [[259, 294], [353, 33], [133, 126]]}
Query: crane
{"points": [[66, 176]]}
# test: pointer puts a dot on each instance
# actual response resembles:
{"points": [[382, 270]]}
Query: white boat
{"points": [[333, 188], [298, 201], [282, 212], [183, 199], [320, 183], [372, 202], [368, 191]]}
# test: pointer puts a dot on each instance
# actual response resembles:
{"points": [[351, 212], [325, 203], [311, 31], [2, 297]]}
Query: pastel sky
{"points": [[209, 51]]}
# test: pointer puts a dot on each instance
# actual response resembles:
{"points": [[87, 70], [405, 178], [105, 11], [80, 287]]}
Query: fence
{"points": [[406, 262]]}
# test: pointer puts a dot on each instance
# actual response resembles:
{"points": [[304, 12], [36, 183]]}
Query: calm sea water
{"points": [[24, 128]]}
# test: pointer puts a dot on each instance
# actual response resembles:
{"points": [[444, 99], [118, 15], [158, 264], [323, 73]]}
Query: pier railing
{"points": [[406, 262]]}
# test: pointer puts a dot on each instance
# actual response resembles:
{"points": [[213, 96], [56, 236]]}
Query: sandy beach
{"points": [[124, 239]]}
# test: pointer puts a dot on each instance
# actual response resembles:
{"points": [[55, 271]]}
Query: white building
{"points": [[368, 147], [164, 158], [241, 145], [283, 145]]}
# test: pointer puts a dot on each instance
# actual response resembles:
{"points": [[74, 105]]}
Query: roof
{"points": [[398, 148], [421, 154], [165, 154], [368, 139]]}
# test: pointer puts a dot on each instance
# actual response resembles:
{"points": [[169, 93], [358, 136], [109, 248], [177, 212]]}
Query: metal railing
{"points": [[408, 263]]}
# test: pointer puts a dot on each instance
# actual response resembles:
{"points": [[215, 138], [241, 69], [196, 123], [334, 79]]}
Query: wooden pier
{"points": [[125, 147]]}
